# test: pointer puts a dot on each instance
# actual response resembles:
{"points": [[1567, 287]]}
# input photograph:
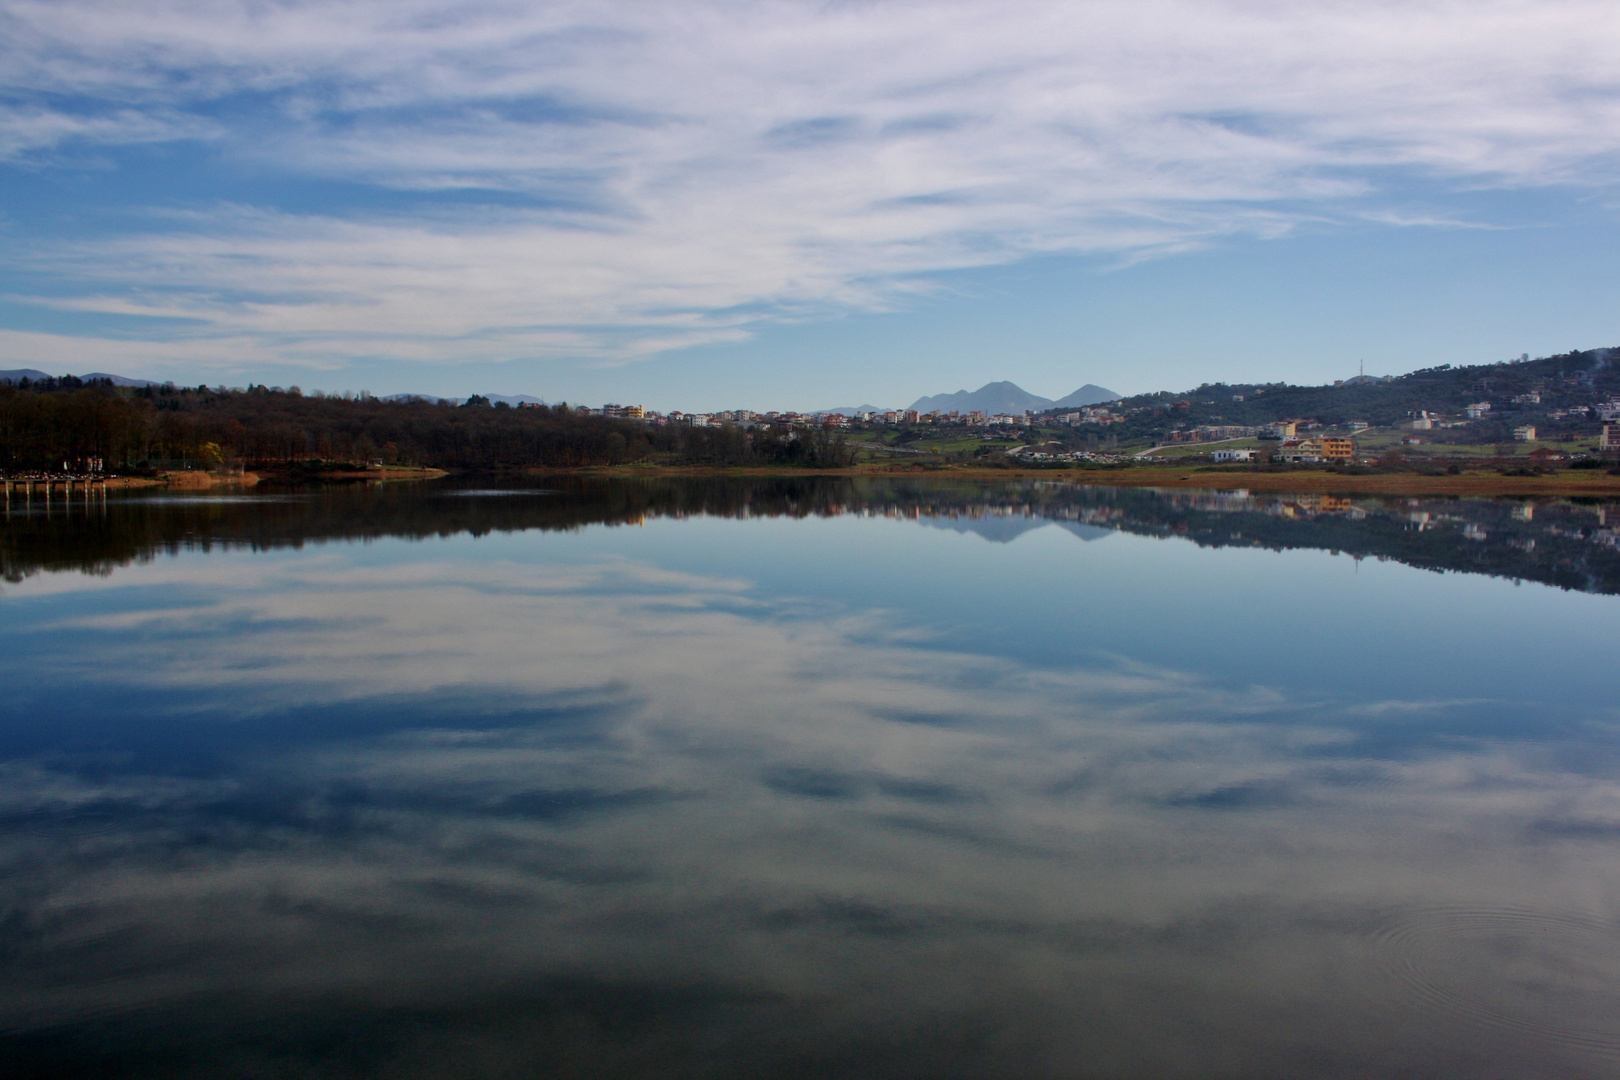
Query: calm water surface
{"points": [[715, 779]]}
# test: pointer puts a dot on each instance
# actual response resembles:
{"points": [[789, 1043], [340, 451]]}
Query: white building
{"points": [[1223, 456], [1526, 433]]}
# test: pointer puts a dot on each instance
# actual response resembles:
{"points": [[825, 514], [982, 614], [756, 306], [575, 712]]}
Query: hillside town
{"points": [[1551, 426], [1561, 411]]}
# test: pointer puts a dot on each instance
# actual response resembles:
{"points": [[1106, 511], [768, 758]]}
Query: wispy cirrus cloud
{"points": [[610, 181]]}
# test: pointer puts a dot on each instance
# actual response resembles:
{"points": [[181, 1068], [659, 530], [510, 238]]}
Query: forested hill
{"points": [[1563, 381], [71, 423]]}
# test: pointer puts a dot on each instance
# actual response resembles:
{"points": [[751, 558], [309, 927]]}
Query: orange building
{"points": [[1335, 448]]}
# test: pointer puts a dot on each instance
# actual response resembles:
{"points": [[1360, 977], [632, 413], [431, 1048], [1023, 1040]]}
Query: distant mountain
{"points": [[851, 410], [1006, 397], [996, 397], [34, 375], [1089, 394], [1004, 530]]}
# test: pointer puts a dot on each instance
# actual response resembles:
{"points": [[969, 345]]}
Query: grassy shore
{"points": [[1595, 483], [203, 480], [1590, 482], [182, 480]]}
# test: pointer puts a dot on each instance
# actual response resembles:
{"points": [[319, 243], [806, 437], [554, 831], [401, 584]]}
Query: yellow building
{"points": [[1337, 448]]}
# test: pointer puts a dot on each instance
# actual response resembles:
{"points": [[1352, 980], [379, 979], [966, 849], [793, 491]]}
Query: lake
{"points": [[808, 777]]}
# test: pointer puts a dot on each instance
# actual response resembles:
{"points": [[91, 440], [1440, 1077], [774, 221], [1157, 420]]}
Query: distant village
{"points": [[1518, 414], [1300, 440]]}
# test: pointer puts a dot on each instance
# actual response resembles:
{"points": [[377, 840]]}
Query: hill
{"points": [[1554, 394], [17, 375], [1089, 394], [1007, 397]]}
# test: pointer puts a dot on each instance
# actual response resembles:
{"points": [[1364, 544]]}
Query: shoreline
{"points": [[198, 480], [1593, 483]]}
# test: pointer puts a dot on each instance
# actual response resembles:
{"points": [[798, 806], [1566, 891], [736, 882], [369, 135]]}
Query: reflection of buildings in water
{"points": [[1571, 553]]}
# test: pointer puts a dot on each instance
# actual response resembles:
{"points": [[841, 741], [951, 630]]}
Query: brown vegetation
{"points": [[1478, 483]]}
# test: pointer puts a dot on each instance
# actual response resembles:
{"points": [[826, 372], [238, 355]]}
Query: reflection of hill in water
{"points": [[1564, 543], [1005, 528]]}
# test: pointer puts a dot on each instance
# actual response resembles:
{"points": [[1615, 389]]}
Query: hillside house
{"points": [[1336, 448], [1300, 451]]}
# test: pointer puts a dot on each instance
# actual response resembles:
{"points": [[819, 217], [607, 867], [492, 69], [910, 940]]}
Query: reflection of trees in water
{"points": [[1566, 543]]}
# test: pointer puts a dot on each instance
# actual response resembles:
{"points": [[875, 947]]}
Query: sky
{"points": [[718, 204]]}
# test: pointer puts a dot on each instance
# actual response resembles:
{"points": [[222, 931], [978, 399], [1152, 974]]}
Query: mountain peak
{"points": [[1089, 394], [1009, 397], [994, 397]]}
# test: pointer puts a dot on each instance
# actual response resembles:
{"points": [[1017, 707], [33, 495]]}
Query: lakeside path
{"points": [[1568, 482]]}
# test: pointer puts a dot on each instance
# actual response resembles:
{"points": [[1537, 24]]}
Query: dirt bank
{"points": [[197, 480], [115, 482]]}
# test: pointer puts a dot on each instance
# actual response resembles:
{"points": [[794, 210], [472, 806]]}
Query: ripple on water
{"points": [[1555, 976]]}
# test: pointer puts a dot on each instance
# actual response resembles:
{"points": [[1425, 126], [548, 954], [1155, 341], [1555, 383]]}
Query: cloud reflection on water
{"points": [[618, 814]]}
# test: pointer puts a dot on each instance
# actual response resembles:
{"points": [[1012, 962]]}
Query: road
{"points": [[1167, 446]]}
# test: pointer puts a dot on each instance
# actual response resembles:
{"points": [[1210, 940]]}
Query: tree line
{"points": [[72, 424]]}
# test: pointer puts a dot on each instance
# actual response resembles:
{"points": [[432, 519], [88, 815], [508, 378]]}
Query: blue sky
{"points": [[797, 205]]}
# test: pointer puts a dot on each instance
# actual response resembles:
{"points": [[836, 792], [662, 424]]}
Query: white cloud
{"points": [[685, 170], [29, 129], [751, 770]]}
